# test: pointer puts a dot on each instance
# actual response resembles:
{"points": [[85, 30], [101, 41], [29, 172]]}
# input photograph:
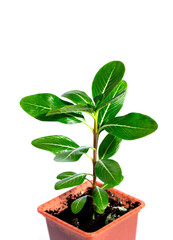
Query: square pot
{"points": [[123, 228]]}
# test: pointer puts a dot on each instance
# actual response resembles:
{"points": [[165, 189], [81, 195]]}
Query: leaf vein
{"points": [[123, 126], [107, 170], [107, 148], [72, 178], [36, 105], [109, 106]]}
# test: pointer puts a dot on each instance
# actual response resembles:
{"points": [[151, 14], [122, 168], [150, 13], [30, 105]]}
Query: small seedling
{"points": [[108, 92]]}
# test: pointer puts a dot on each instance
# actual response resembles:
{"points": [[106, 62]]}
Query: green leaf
{"points": [[39, 105], [111, 110], [71, 109], [110, 101], [55, 143], [71, 155], [78, 204], [100, 197], [98, 210], [106, 79], [131, 126], [78, 97], [109, 171], [71, 181], [107, 186], [65, 175], [109, 146]]}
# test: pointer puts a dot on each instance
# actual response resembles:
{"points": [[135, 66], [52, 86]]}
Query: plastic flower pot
{"points": [[123, 228]]}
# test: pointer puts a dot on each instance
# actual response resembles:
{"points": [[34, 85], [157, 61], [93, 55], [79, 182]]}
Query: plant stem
{"points": [[94, 216], [95, 132]]}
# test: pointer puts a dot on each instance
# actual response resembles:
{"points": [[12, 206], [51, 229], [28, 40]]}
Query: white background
{"points": [[56, 46]]}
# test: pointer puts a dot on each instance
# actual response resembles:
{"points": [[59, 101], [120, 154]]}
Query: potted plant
{"points": [[92, 210]]}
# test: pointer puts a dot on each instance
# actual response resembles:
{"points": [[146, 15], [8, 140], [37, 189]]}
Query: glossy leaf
{"points": [[78, 204], [109, 171], [111, 110], [71, 155], [39, 105], [110, 101], [65, 175], [55, 143], [100, 198], [107, 186], [71, 181], [78, 97], [131, 126], [106, 79], [109, 146], [98, 210], [71, 109]]}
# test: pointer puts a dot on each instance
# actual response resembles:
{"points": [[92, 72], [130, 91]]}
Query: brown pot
{"points": [[123, 228]]}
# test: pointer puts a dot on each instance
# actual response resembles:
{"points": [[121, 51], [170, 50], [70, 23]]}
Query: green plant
{"points": [[108, 91]]}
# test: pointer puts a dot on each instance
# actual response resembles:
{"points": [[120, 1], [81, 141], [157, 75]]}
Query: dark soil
{"points": [[84, 219]]}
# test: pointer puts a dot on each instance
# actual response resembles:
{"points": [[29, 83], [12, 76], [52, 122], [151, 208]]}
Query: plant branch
{"points": [[102, 128], [91, 114], [90, 174], [95, 133], [88, 125], [89, 156], [89, 181], [93, 148]]}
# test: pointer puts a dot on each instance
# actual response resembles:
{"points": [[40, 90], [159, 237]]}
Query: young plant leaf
{"points": [[109, 146], [78, 97], [110, 101], [39, 105], [71, 155], [109, 171], [100, 198], [71, 181], [98, 210], [107, 186], [55, 144], [78, 204], [131, 126], [71, 109], [106, 79], [111, 110], [65, 175]]}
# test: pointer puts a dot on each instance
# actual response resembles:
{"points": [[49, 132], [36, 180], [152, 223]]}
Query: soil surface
{"points": [[84, 219]]}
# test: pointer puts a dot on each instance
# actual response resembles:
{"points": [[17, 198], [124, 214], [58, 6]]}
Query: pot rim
{"points": [[41, 210]]}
